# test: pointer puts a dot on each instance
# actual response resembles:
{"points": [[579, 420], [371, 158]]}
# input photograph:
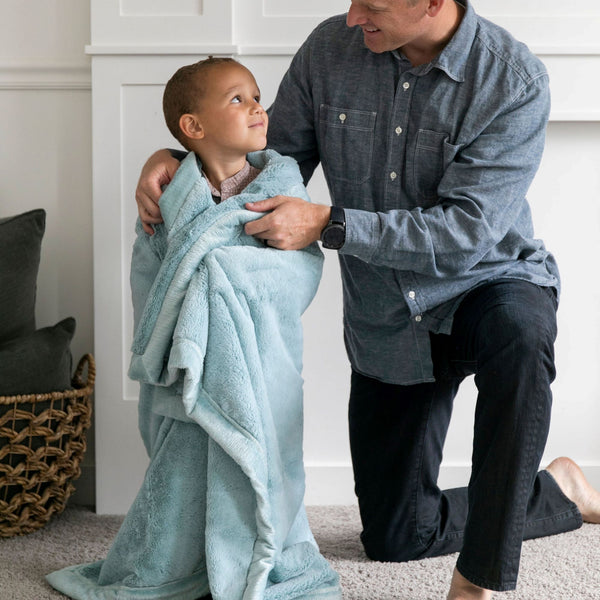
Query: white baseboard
{"points": [[334, 484], [325, 484], [329, 485], [592, 473]]}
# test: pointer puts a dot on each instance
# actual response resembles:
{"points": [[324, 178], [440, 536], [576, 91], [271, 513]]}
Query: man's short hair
{"points": [[184, 91]]}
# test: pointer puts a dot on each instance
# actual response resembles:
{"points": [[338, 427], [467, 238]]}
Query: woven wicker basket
{"points": [[42, 442]]}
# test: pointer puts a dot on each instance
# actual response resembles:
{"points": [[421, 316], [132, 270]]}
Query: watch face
{"points": [[334, 236]]}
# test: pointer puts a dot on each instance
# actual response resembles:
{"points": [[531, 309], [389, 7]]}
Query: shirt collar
{"points": [[230, 186], [453, 58]]}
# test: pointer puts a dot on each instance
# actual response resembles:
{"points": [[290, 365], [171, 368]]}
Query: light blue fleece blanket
{"points": [[218, 352]]}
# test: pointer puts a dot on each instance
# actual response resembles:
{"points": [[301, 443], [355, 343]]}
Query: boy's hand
{"points": [[291, 223], [157, 172]]}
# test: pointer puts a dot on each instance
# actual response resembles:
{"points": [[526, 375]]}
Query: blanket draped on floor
{"points": [[218, 352]]}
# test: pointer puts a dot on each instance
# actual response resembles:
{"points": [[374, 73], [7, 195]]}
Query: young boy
{"points": [[218, 352], [213, 109]]}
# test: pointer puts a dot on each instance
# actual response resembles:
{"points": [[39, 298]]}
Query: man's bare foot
{"points": [[575, 487], [463, 589]]}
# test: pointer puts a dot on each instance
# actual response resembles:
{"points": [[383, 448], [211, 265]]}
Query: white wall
{"points": [[45, 157], [46, 160]]}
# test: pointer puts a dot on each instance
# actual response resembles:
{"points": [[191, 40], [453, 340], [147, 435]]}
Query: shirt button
{"points": [[411, 295], [393, 175], [398, 130], [342, 117], [418, 318], [406, 85]]}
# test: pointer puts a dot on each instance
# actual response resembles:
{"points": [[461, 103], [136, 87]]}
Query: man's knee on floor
{"points": [[385, 547]]}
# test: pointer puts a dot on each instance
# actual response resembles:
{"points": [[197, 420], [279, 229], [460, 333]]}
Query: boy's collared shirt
{"points": [[234, 184]]}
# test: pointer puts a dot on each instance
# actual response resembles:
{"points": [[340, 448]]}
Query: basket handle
{"points": [[85, 360]]}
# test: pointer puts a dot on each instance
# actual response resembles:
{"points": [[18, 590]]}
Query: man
{"points": [[429, 123]]}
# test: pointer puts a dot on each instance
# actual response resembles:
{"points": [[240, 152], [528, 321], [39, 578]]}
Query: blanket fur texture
{"points": [[218, 353]]}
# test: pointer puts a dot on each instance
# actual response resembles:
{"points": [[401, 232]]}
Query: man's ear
{"points": [[434, 7], [191, 127]]}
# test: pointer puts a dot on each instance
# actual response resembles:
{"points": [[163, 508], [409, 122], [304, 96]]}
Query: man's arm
{"points": [[156, 173], [482, 195], [481, 213]]}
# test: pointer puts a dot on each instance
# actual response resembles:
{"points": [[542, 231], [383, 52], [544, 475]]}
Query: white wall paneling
{"points": [[128, 126], [270, 25], [273, 26], [136, 46], [575, 89], [161, 22], [45, 101], [551, 24]]}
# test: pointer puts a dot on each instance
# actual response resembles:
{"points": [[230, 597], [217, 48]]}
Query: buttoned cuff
{"points": [[362, 229]]}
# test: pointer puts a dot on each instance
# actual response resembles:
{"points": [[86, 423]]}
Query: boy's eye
{"points": [[236, 99], [257, 99]]}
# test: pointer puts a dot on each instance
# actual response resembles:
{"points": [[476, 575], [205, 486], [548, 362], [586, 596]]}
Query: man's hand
{"points": [[291, 223], [158, 171]]}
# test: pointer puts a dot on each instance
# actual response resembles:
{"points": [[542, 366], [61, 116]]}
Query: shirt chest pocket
{"points": [[428, 163], [346, 139]]}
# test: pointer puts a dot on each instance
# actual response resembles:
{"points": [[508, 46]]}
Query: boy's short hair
{"points": [[183, 92]]}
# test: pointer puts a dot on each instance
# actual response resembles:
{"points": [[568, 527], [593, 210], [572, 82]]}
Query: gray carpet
{"points": [[565, 567]]}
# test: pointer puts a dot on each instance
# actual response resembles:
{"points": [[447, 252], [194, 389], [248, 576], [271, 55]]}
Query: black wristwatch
{"points": [[333, 235]]}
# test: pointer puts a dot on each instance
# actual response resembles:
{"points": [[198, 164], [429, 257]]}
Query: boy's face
{"points": [[232, 118]]}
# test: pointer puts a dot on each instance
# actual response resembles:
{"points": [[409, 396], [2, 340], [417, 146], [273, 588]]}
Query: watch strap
{"points": [[337, 215], [333, 235]]}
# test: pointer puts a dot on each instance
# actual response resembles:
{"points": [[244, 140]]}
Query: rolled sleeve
{"points": [[362, 233]]}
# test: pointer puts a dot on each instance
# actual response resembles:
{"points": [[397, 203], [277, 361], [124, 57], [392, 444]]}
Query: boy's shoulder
{"points": [[280, 175], [269, 158]]}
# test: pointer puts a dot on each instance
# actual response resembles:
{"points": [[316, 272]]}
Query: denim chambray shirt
{"points": [[432, 165]]}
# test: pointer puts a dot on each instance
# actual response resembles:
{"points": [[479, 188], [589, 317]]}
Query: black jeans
{"points": [[504, 334]]}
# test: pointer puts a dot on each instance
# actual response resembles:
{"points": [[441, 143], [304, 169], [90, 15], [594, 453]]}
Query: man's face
{"points": [[389, 24]]}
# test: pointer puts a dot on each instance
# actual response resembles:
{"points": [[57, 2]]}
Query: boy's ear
{"points": [[191, 126]]}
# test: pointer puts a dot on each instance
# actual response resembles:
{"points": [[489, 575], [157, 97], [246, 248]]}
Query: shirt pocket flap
{"points": [[346, 138], [428, 165], [346, 117]]}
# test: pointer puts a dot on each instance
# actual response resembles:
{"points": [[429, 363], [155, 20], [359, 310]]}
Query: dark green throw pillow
{"points": [[20, 245], [39, 362]]}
